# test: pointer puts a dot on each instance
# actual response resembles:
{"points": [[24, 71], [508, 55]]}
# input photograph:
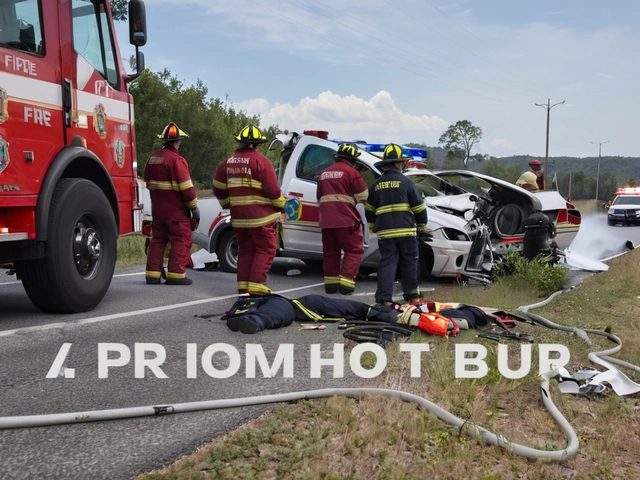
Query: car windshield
{"points": [[627, 200], [471, 184]]}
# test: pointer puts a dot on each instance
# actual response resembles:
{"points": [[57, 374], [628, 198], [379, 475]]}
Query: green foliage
{"points": [[539, 273], [211, 124], [119, 10], [495, 168], [460, 138]]}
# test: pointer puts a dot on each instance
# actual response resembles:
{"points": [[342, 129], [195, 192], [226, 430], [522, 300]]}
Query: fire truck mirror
{"points": [[137, 23]]}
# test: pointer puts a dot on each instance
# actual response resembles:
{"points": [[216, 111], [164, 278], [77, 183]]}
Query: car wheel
{"points": [[364, 272], [610, 223], [314, 264], [81, 251], [425, 262], [228, 252]]}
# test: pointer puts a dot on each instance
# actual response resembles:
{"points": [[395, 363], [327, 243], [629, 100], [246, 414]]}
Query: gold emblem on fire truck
{"points": [[4, 154], [4, 105], [100, 121], [119, 149]]}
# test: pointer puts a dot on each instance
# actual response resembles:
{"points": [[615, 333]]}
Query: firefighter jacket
{"points": [[529, 181], [394, 207], [246, 184], [340, 189], [167, 176]]}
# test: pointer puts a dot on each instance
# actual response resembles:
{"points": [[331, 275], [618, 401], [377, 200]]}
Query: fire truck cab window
{"points": [[20, 25], [93, 38]]}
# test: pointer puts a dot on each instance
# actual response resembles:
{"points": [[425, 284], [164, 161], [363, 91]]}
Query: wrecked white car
{"points": [[503, 206], [461, 218]]}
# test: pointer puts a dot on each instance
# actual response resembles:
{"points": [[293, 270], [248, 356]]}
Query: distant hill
{"points": [[623, 168]]}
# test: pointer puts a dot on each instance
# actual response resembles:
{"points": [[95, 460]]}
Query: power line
{"points": [[392, 62], [546, 158], [599, 156], [516, 95]]}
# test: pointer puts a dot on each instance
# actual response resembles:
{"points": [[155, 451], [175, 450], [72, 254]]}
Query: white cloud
{"points": [[503, 144], [349, 117]]}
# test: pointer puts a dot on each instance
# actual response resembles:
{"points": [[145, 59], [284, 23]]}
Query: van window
{"points": [[20, 26], [314, 160]]}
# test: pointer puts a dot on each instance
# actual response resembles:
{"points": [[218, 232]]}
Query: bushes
{"points": [[539, 272]]}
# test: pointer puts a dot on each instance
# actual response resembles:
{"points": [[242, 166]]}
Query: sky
{"points": [[405, 70]]}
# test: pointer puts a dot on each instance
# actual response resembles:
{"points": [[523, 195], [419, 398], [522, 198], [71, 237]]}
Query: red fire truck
{"points": [[68, 180]]}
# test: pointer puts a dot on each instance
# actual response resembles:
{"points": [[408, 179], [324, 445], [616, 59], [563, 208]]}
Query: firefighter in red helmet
{"points": [[533, 179], [174, 208], [246, 183]]}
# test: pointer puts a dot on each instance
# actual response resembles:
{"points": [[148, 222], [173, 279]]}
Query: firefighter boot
{"points": [[347, 285], [178, 281], [246, 324]]}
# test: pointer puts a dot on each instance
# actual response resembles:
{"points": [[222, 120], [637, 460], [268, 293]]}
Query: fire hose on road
{"points": [[468, 426]]}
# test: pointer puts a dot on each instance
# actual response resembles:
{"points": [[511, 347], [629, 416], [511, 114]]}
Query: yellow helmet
{"points": [[392, 153], [250, 134], [171, 133], [348, 151]]}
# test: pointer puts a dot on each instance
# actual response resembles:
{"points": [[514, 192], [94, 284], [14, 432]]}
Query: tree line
{"points": [[211, 124]]}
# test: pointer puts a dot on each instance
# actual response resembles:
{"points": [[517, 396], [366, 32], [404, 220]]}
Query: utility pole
{"points": [[548, 106], [599, 156]]}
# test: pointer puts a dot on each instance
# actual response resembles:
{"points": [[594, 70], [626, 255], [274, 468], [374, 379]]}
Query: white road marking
{"points": [[119, 275], [128, 274], [114, 316]]}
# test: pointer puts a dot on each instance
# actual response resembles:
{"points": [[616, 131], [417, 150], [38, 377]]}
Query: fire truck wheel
{"points": [[228, 252], [81, 251]]}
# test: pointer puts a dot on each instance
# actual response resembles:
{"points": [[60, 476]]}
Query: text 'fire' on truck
{"points": [[68, 180]]}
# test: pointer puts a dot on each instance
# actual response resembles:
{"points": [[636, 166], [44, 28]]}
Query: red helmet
{"points": [[533, 163]]}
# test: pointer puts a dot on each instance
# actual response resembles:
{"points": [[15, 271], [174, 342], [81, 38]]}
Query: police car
{"points": [[625, 208]]}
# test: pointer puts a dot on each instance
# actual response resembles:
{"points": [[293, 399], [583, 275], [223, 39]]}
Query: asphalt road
{"points": [[171, 318], [135, 313]]}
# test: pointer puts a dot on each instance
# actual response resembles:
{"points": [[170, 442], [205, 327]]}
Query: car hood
{"points": [[492, 188]]}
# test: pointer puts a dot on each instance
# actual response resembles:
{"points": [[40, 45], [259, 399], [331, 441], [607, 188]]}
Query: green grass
{"points": [[131, 251], [380, 438]]}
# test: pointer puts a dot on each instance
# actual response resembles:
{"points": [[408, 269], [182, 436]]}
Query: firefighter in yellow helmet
{"points": [[174, 205], [396, 213], [246, 183], [340, 189]]}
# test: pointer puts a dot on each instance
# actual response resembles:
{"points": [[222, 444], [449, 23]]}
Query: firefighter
{"points": [[253, 315], [246, 183], [533, 179], [340, 189], [396, 213], [174, 208]]}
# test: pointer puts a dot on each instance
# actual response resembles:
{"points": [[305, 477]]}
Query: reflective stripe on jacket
{"points": [[340, 189], [394, 206], [167, 176], [246, 183]]}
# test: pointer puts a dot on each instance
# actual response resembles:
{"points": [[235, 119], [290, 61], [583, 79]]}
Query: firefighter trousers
{"points": [[176, 232], [398, 254], [256, 251], [334, 242]]}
